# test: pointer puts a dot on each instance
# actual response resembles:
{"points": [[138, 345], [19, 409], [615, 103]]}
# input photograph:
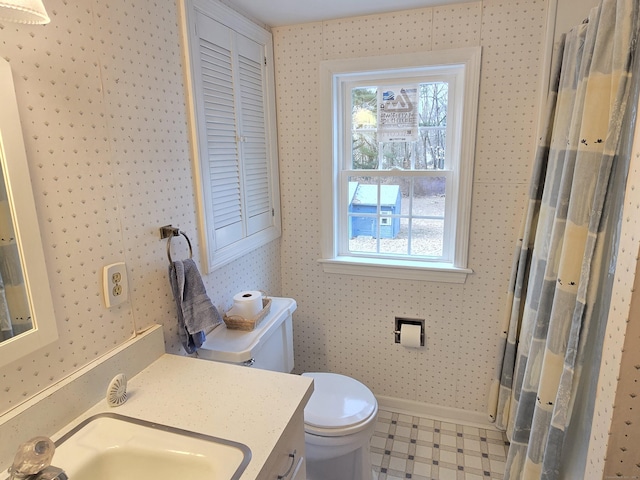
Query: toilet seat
{"points": [[339, 405]]}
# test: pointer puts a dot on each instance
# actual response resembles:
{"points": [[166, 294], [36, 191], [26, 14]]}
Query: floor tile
{"points": [[471, 445], [447, 474], [448, 440], [425, 435], [418, 448]]}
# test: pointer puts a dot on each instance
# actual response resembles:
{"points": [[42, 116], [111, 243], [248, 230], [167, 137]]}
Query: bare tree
{"points": [[433, 99], [429, 150]]}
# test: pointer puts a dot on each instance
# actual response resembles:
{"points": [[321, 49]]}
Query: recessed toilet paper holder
{"points": [[399, 321]]}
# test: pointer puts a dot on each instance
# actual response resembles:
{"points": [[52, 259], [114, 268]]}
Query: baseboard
{"points": [[435, 412]]}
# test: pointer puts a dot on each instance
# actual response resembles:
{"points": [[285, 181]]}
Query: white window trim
{"points": [[330, 72], [213, 256]]}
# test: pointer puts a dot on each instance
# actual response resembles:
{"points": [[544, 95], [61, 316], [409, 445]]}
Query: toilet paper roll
{"points": [[247, 304], [410, 335]]}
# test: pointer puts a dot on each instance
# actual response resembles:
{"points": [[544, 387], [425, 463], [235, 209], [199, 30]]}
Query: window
{"points": [[398, 134], [232, 106]]}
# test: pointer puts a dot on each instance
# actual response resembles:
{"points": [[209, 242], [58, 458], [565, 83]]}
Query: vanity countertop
{"points": [[242, 404]]}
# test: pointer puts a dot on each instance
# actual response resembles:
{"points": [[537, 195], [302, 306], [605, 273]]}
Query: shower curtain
{"points": [[560, 254]]}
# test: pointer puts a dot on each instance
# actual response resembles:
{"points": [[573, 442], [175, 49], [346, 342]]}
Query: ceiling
{"points": [[276, 13]]}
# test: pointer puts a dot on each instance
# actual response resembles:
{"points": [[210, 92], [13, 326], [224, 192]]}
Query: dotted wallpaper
{"points": [[344, 323], [615, 425], [101, 97], [623, 456]]}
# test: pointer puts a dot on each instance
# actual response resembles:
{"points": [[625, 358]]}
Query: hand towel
{"points": [[196, 313]]}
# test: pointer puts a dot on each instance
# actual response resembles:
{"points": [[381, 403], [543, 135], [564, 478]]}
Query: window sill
{"points": [[398, 269]]}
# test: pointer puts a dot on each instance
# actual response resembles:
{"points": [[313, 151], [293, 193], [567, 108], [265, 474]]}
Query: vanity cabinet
{"points": [[287, 462]]}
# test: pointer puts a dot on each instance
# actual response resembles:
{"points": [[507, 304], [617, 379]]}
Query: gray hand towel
{"points": [[196, 313]]}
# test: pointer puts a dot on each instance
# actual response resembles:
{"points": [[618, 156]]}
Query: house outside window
{"points": [[398, 135]]}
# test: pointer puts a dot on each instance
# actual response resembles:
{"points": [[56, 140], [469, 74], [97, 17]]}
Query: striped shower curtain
{"points": [[552, 289]]}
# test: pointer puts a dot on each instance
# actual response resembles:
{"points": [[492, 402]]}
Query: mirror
{"points": [[15, 314], [27, 318]]}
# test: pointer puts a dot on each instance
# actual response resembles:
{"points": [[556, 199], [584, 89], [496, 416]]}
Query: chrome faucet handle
{"points": [[33, 461], [51, 473]]}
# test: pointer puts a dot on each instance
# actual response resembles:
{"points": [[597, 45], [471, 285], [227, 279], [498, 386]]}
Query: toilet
{"points": [[340, 417]]}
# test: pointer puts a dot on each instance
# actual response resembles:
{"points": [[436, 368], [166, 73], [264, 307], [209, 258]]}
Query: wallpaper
{"points": [[101, 97], [623, 458], [345, 323]]}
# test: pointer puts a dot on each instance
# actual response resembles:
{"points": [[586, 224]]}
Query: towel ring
{"points": [[169, 246], [169, 232]]}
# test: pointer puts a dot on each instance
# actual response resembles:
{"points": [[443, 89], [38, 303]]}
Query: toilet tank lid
{"points": [[237, 346], [337, 401]]}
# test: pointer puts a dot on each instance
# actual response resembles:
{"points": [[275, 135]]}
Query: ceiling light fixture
{"points": [[24, 11]]}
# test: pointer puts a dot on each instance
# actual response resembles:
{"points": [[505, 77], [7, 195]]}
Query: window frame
{"points": [[344, 135], [336, 78]]}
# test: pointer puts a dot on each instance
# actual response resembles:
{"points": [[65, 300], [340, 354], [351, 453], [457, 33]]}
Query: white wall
{"points": [[344, 323], [101, 97]]}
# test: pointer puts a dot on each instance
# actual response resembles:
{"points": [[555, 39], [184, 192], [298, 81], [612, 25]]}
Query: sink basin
{"points": [[109, 446]]}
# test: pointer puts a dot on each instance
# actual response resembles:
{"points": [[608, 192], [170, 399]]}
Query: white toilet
{"points": [[341, 414]]}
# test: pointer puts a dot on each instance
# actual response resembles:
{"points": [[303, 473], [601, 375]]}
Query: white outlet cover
{"points": [[114, 280]]}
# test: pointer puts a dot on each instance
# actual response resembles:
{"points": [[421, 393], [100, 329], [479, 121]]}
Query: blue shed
{"points": [[364, 199]]}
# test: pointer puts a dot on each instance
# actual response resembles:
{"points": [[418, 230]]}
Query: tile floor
{"points": [[419, 448]]}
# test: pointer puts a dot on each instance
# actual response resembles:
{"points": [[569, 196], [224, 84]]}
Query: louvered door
{"points": [[235, 144], [220, 154], [253, 134]]}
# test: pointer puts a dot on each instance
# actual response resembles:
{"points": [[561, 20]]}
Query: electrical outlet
{"points": [[114, 284]]}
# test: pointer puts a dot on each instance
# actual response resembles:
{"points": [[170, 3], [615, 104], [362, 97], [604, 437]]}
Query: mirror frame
{"points": [[13, 160]]}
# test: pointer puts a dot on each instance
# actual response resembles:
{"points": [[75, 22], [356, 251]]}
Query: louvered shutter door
{"points": [[230, 65], [254, 136], [221, 160]]}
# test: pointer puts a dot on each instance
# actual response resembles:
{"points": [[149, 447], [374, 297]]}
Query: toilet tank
{"points": [[269, 346]]}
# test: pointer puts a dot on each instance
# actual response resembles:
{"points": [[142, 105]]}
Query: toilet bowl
{"points": [[339, 420], [341, 414]]}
